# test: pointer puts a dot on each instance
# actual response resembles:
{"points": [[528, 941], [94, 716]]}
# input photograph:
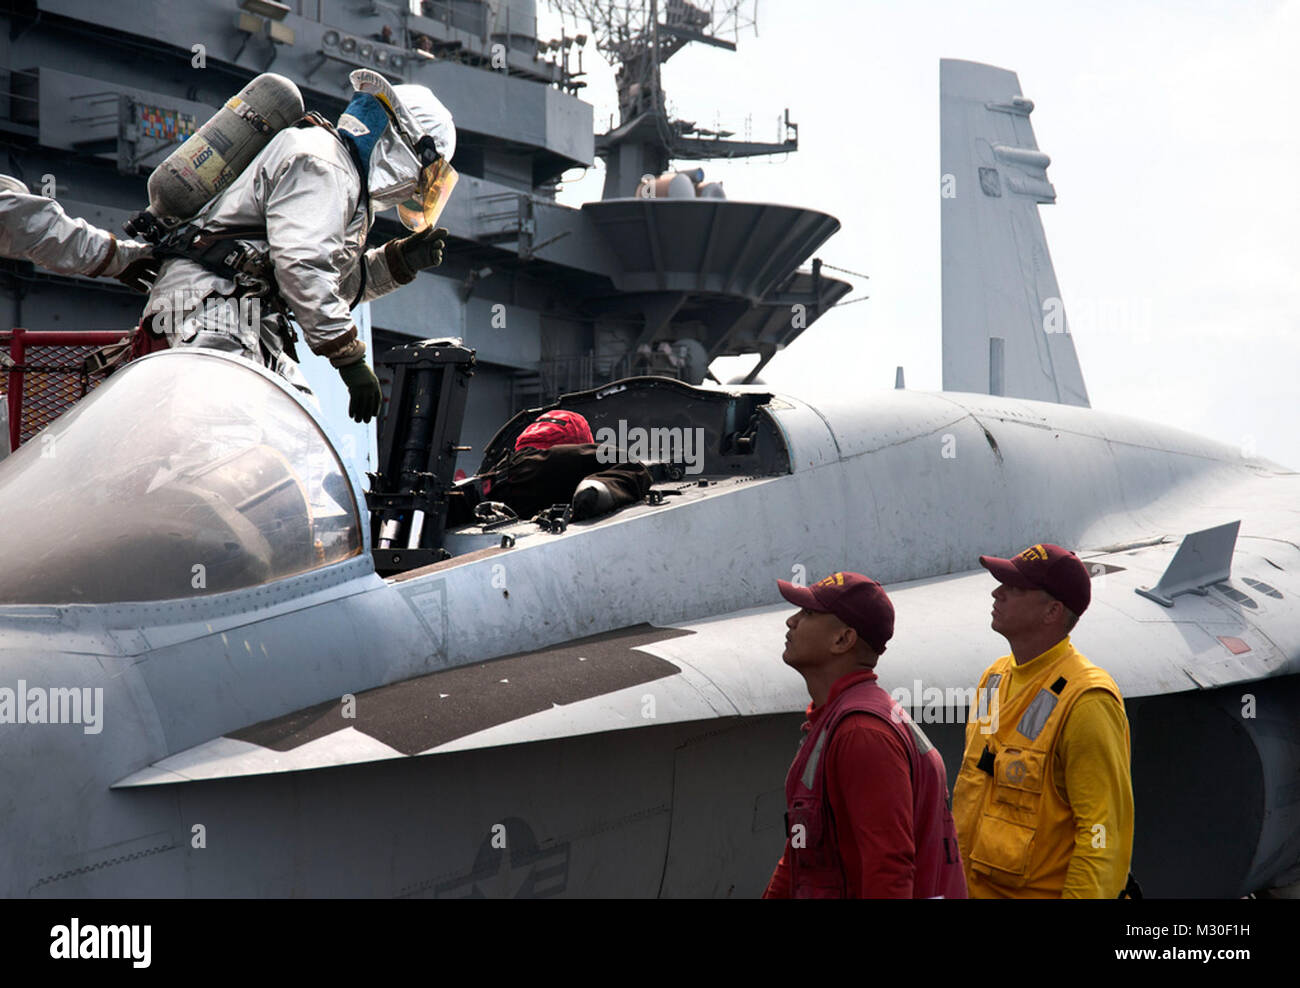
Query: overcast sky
{"points": [[1172, 129]]}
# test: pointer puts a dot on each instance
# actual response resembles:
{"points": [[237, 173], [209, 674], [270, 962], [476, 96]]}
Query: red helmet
{"points": [[555, 429]]}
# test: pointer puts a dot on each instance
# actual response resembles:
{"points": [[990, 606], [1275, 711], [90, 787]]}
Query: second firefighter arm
{"points": [[37, 229]]}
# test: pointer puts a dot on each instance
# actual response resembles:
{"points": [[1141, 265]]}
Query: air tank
{"points": [[213, 157]]}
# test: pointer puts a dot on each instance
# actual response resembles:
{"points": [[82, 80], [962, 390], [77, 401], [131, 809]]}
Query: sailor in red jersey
{"points": [[867, 798]]}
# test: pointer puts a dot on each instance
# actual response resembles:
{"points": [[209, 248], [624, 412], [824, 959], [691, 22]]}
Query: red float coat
{"points": [[868, 805]]}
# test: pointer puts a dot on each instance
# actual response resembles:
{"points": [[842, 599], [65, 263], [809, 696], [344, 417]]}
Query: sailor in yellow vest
{"points": [[1043, 802]]}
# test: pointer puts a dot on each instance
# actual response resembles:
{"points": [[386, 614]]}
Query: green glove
{"points": [[408, 255], [363, 389]]}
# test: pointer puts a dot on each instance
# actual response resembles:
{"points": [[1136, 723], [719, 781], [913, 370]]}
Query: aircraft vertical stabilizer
{"points": [[1004, 327]]}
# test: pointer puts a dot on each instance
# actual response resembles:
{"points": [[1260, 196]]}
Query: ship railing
{"points": [[501, 216], [45, 373], [641, 364], [18, 96], [562, 375]]}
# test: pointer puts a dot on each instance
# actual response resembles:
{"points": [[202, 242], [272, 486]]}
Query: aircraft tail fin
{"points": [[1004, 327]]}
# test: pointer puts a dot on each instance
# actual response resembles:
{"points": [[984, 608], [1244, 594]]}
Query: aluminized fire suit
{"points": [[301, 200], [307, 193], [305, 189], [36, 229]]}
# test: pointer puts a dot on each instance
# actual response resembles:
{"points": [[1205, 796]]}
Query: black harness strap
{"points": [[211, 249]]}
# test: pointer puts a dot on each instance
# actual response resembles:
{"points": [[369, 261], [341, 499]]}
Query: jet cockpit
{"points": [[692, 439], [192, 472]]}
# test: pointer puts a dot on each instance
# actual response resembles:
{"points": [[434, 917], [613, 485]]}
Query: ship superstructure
{"points": [[554, 299]]}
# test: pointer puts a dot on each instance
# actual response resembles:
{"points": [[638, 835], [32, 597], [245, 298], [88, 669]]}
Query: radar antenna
{"points": [[636, 38]]}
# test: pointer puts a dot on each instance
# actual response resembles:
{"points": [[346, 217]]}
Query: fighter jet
{"points": [[208, 689]]}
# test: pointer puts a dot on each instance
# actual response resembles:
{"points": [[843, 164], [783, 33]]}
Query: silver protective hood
{"points": [[10, 184], [394, 163]]}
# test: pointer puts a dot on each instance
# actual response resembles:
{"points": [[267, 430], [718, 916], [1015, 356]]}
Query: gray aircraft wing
{"points": [[1240, 630]]}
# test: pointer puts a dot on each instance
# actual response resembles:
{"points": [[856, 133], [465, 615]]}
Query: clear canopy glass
{"points": [[183, 475]]}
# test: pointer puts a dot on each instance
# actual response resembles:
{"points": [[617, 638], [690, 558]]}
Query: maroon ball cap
{"points": [[1046, 567], [856, 600], [555, 429]]}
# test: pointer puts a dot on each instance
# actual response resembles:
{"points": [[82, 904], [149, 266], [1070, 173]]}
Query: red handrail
{"points": [[20, 339]]}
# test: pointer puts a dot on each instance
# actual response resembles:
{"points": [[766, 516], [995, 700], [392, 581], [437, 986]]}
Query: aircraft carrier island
{"points": [[553, 299], [251, 648]]}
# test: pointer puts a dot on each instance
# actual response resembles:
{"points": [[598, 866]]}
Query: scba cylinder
{"points": [[206, 164]]}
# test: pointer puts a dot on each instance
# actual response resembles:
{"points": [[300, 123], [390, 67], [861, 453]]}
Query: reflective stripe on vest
{"points": [[923, 745], [1035, 718], [982, 697], [810, 771]]}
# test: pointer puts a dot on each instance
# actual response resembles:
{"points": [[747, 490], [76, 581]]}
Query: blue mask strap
{"points": [[362, 124]]}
